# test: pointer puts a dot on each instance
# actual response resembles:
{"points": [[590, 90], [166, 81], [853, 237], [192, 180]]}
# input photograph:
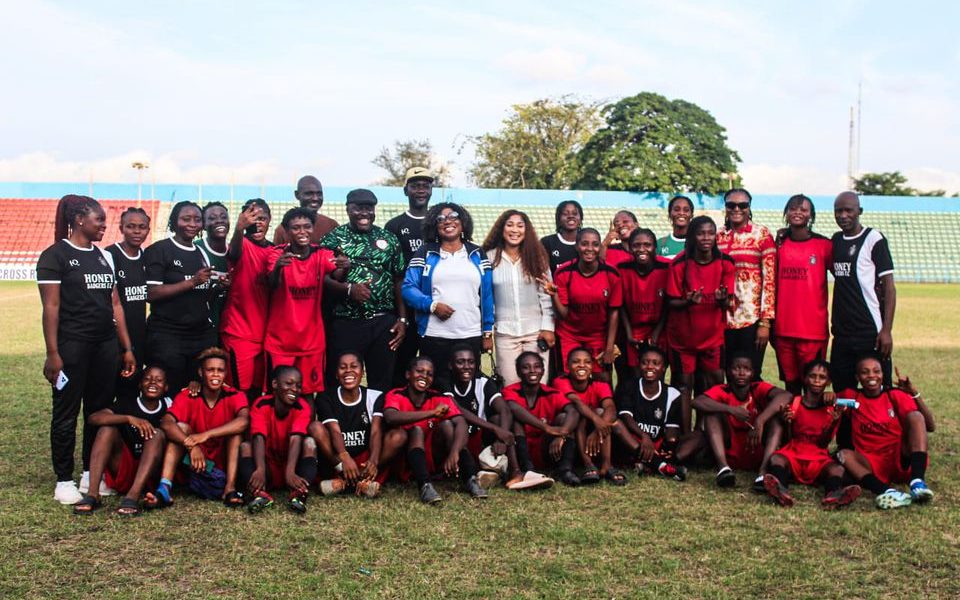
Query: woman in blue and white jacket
{"points": [[449, 283]]}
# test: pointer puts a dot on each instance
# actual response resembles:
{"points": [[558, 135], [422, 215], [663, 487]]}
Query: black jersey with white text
{"points": [[354, 420], [86, 279], [133, 407], [409, 230], [476, 396], [168, 262], [558, 250], [652, 414], [858, 264], [132, 288]]}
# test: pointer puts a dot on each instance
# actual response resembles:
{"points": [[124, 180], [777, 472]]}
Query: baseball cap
{"points": [[361, 196], [417, 173]]}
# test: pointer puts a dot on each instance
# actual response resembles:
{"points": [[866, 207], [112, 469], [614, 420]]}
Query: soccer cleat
{"points": [[841, 497], [531, 480], [758, 485], [368, 488], [260, 502], [332, 487], [488, 479], [476, 490], [66, 493], [892, 498], [726, 478], [429, 495], [297, 503], [675, 472], [777, 490], [919, 492]]}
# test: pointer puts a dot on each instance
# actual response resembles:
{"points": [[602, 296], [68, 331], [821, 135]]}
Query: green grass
{"points": [[650, 538]]}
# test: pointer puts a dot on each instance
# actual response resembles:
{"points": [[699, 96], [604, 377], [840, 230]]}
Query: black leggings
{"points": [[440, 352], [744, 341], [177, 354], [91, 369]]}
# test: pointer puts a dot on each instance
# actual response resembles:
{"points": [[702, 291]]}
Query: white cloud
{"points": [[791, 179], [928, 178]]}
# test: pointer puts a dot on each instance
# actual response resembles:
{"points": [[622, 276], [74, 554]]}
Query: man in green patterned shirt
{"points": [[370, 317]]}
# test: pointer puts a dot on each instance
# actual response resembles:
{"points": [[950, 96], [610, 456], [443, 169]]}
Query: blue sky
{"points": [[251, 92]]}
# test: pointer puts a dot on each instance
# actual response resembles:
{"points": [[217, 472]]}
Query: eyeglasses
{"points": [[736, 205], [450, 216]]}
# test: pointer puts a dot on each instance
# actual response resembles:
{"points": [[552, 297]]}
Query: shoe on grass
{"points": [[841, 497], [368, 488], [531, 480], [260, 502], [66, 493], [429, 494], [892, 498], [726, 478], [775, 488], [919, 492], [297, 503], [332, 487], [488, 479], [758, 486], [476, 490], [675, 472]]}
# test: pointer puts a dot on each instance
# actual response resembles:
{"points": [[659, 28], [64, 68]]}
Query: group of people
{"points": [[338, 356]]}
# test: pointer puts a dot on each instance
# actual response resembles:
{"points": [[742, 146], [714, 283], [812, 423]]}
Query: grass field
{"points": [[651, 538]]}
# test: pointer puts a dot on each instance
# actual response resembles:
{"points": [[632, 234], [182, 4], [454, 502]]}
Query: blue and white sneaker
{"points": [[919, 491], [892, 498]]}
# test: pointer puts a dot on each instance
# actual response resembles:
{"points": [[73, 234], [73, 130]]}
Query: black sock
{"points": [[468, 467], [245, 469], [307, 468], [523, 454], [918, 465], [780, 472], [567, 456], [873, 484], [832, 484], [417, 459]]}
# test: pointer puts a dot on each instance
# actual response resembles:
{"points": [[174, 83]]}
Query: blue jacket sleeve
{"points": [[486, 300], [411, 289]]}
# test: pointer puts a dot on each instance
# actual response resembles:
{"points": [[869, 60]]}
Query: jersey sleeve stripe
{"points": [[625, 412], [49, 281], [887, 272], [330, 421], [154, 282]]}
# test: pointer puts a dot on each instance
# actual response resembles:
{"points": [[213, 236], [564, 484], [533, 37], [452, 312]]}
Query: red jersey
{"points": [[276, 432], [644, 293], [699, 326], [802, 288], [616, 255], [807, 426], [195, 412], [589, 299], [399, 399], [755, 402], [596, 391], [877, 425], [295, 303], [245, 313], [549, 404]]}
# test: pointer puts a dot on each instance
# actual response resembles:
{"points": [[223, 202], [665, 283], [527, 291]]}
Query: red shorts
{"points": [[122, 479], [739, 456], [311, 367], [276, 472], [568, 343], [806, 464], [246, 369], [890, 467], [216, 450], [382, 470], [704, 360], [794, 353], [475, 443]]}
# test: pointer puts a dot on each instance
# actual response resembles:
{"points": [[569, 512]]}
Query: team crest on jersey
{"points": [[365, 418], [382, 244], [657, 414], [853, 250], [660, 292], [74, 262], [606, 292], [891, 413], [103, 261], [177, 263], [813, 259]]}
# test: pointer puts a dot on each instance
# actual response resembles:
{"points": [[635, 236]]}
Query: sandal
{"points": [[86, 506], [233, 500], [615, 476], [128, 508], [590, 476], [158, 499]]}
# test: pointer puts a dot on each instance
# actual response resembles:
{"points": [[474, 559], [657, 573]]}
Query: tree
{"points": [[536, 146], [883, 184], [411, 153], [650, 143]]}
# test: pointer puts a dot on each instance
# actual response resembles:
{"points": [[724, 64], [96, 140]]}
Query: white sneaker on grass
{"points": [[892, 498], [105, 490], [67, 493]]}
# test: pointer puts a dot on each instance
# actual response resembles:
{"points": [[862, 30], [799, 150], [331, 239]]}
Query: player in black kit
{"points": [[132, 287]]}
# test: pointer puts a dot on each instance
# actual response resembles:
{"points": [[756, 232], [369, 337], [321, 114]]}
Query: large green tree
{"points": [[651, 143], [536, 146], [410, 153]]}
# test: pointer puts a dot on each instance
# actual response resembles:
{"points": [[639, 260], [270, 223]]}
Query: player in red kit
{"points": [[615, 247], [800, 332], [244, 319], [699, 291], [279, 453], [812, 419], [296, 275], [644, 282], [742, 422], [888, 437]]}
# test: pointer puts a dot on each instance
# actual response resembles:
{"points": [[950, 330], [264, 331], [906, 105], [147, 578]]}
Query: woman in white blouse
{"points": [[523, 318]]}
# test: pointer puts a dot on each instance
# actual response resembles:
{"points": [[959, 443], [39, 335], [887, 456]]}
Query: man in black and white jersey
{"points": [[864, 294]]}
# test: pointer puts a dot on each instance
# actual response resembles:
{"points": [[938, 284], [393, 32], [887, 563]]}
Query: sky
{"points": [[253, 92]]}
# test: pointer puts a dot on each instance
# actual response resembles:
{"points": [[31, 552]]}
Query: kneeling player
{"points": [[279, 451], [888, 437], [129, 446], [650, 420], [208, 429], [420, 411], [594, 401], [349, 429], [813, 422], [543, 421], [742, 422]]}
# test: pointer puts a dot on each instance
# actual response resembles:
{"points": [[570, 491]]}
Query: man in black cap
{"points": [[370, 318], [309, 193], [408, 227]]}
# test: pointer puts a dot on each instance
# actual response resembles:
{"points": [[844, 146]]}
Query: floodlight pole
{"points": [[139, 166]]}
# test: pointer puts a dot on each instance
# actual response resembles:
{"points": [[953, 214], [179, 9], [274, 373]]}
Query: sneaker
{"points": [[488, 479], [841, 497], [476, 490], [368, 488], [259, 503], [105, 490], [332, 487], [297, 503], [919, 492], [675, 472], [777, 490], [726, 478], [67, 493], [429, 495], [758, 486], [892, 498], [531, 480]]}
